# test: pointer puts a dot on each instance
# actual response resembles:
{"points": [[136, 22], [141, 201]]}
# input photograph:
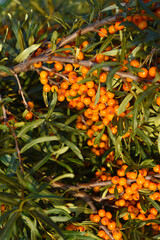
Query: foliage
{"points": [[58, 161]]}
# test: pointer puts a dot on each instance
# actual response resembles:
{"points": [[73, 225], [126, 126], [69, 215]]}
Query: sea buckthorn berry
{"points": [[121, 202], [84, 70], [103, 77], [102, 32], [99, 58], [85, 44], [117, 235], [132, 175], [109, 215], [114, 130], [152, 71], [38, 64], [111, 225], [158, 101], [96, 218], [80, 56], [122, 181], [91, 217], [58, 66], [104, 221], [144, 73], [142, 24], [156, 168], [135, 63], [140, 180], [121, 172], [29, 116], [102, 213], [46, 88], [153, 211], [44, 81], [126, 86], [90, 84], [101, 233], [91, 92], [68, 67], [152, 186], [118, 26], [30, 104], [43, 74], [96, 189], [112, 29], [120, 189], [115, 180]]}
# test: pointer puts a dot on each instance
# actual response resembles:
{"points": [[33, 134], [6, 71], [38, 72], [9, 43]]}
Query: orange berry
{"points": [[144, 73], [103, 77], [30, 104], [112, 29], [103, 178], [102, 32], [156, 168], [114, 130], [58, 66], [126, 86], [85, 44], [80, 56], [43, 74], [108, 215], [118, 26], [140, 180], [111, 225], [104, 221], [44, 81], [68, 67], [152, 186], [29, 116], [115, 180], [101, 233], [141, 216], [102, 213], [122, 181], [152, 71], [121, 202], [158, 101], [99, 58], [84, 70], [121, 172], [135, 63], [117, 235], [38, 64], [96, 218], [142, 24], [46, 88], [96, 189]]}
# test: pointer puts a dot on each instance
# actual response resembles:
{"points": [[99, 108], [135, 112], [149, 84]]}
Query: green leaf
{"points": [[8, 198], [4, 151], [7, 230], [37, 212], [97, 94], [25, 54], [5, 69], [123, 105], [39, 140], [116, 192], [154, 203], [52, 105], [102, 65], [20, 39], [9, 181], [71, 145], [98, 137], [144, 137], [159, 142], [31, 225], [66, 175], [38, 165], [29, 126], [147, 10], [45, 98], [110, 77], [106, 43]]}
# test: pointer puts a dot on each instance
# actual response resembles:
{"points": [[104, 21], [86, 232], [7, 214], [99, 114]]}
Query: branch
{"points": [[13, 134]]}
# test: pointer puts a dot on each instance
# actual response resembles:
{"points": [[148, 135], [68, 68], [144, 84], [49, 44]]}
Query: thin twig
{"points": [[13, 134]]}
